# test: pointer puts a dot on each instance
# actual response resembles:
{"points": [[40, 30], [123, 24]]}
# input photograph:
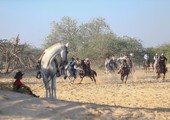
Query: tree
{"points": [[93, 37], [14, 55], [94, 40], [63, 32]]}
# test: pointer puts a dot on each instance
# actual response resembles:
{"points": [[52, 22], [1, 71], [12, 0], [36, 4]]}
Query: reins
{"points": [[45, 84]]}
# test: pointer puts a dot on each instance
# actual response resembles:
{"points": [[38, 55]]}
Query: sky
{"points": [[146, 20]]}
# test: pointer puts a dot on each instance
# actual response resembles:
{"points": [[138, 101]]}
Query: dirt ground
{"points": [[143, 97]]}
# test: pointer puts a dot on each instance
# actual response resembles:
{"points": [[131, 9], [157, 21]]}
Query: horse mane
{"points": [[52, 47], [51, 52]]}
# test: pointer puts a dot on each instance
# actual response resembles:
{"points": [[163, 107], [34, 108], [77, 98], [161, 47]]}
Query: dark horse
{"points": [[124, 72], [160, 68], [85, 72]]}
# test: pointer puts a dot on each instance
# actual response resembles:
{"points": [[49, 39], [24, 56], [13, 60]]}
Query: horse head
{"points": [[64, 53]]}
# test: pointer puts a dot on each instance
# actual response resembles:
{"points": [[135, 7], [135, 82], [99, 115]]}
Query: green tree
{"points": [[94, 40], [63, 32]]}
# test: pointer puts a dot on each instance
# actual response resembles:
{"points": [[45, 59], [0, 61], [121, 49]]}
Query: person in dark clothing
{"points": [[88, 66], [72, 64], [162, 61], [124, 66], [18, 86]]}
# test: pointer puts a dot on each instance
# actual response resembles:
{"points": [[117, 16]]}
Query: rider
{"points": [[78, 62], [147, 58], [72, 64], [109, 62], [88, 66], [112, 62], [162, 60], [128, 61], [156, 57], [124, 65]]}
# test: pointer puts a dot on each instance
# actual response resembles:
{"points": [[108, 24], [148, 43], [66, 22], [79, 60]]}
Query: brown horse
{"points": [[124, 72], [85, 72], [91, 75]]}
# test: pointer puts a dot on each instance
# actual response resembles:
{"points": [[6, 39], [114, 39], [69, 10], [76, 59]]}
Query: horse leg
{"points": [[145, 69], [126, 79], [158, 75], [91, 78], [72, 81], [53, 87], [46, 84], [163, 76], [81, 80], [94, 79], [122, 78]]}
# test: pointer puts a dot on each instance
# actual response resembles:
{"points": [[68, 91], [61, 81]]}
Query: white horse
{"points": [[48, 67], [69, 73], [155, 65]]}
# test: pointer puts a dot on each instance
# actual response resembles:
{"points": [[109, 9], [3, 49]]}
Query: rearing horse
{"points": [[48, 67]]}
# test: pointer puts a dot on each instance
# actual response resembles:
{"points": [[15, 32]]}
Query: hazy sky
{"points": [[147, 20]]}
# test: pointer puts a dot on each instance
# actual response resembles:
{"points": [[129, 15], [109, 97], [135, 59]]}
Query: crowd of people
{"points": [[85, 64], [161, 58], [126, 62]]}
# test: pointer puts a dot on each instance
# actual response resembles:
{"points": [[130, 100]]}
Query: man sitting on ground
{"points": [[18, 86]]}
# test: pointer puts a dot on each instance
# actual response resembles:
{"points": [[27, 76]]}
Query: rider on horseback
{"points": [[124, 66], [78, 62], [87, 66], [147, 59], [71, 64], [162, 61], [156, 57]]}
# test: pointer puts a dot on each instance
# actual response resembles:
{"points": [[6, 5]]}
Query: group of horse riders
{"points": [[85, 65], [158, 60], [124, 62]]}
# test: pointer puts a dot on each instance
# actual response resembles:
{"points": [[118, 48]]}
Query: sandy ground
{"points": [[142, 98]]}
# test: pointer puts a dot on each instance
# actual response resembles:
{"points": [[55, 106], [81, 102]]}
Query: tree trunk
{"points": [[7, 64]]}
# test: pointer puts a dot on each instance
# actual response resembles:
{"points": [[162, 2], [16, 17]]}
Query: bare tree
{"points": [[12, 53]]}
